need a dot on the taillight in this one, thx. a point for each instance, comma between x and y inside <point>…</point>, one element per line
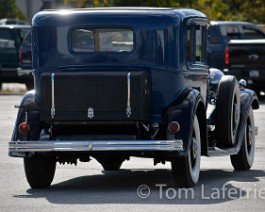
<point>20,57</point>
<point>24,128</point>
<point>173,127</point>
<point>226,56</point>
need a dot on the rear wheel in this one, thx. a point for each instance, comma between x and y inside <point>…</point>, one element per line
<point>39,171</point>
<point>186,170</point>
<point>227,111</point>
<point>245,157</point>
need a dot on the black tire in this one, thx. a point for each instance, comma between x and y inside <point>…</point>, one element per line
<point>186,170</point>
<point>39,171</point>
<point>227,111</point>
<point>245,157</point>
<point>111,164</point>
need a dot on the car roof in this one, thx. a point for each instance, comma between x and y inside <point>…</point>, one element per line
<point>180,12</point>
<point>231,23</point>
<point>238,23</point>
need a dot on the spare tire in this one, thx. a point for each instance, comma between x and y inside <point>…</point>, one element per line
<point>227,111</point>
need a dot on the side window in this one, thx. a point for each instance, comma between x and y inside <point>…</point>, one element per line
<point>190,43</point>
<point>196,43</point>
<point>27,39</point>
<point>6,40</point>
<point>200,43</point>
<point>213,35</point>
<point>20,35</point>
<point>250,33</point>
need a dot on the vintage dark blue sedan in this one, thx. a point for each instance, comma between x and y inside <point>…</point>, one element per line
<point>112,83</point>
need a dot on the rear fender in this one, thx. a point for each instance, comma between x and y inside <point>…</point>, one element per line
<point>30,105</point>
<point>248,99</point>
<point>183,112</point>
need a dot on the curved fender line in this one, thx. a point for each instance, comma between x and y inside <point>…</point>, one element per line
<point>28,101</point>
<point>183,112</point>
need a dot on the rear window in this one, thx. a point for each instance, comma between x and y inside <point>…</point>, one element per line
<point>27,40</point>
<point>20,34</point>
<point>250,33</point>
<point>101,40</point>
<point>230,31</point>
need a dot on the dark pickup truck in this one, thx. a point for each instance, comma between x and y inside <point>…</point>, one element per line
<point>247,61</point>
<point>221,32</point>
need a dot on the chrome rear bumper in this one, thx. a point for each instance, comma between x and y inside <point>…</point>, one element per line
<point>97,145</point>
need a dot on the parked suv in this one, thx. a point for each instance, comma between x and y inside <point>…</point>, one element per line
<point>11,37</point>
<point>25,62</point>
<point>221,32</point>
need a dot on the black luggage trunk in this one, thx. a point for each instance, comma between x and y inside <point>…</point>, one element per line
<point>96,96</point>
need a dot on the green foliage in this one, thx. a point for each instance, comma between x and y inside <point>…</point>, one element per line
<point>242,10</point>
<point>149,3</point>
<point>102,3</point>
<point>8,9</point>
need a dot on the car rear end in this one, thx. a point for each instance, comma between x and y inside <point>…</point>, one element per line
<point>247,61</point>
<point>96,105</point>
<point>94,85</point>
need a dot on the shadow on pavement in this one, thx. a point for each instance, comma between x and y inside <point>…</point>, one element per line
<point>151,187</point>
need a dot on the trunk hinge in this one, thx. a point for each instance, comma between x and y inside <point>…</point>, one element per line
<point>129,109</point>
<point>53,98</point>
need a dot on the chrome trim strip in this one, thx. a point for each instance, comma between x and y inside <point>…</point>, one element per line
<point>129,109</point>
<point>96,145</point>
<point>53,98</point>
<point>26,117</point>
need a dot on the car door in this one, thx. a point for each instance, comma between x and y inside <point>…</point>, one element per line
<point>197,67</point>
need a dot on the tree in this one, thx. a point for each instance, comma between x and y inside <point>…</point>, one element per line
<point>253,11</point>
<point>8,9</point>
<point>241,10</point>
<point>150,3</point>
